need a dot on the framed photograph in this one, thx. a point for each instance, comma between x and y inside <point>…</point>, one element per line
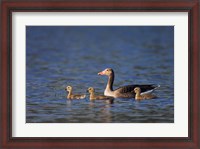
<point>100,74</point>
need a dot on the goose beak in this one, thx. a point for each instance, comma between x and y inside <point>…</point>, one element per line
<point>101,73</point>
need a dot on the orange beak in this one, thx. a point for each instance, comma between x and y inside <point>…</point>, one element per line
<point>101,73</point>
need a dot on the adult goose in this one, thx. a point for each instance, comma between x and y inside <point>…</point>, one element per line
<point>71,95</point>
<point>139,96</point>
<point>124,91</point>
<point>99,97</point>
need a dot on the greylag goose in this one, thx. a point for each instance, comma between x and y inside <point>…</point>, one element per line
<point>125,91</point>
<point>139,96</point>
<point>72,96</point>
<point>99,97</point>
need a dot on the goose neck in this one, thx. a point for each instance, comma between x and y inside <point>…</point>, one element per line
<point>110,82</point>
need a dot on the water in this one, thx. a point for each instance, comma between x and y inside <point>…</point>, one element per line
<point>62,55</point>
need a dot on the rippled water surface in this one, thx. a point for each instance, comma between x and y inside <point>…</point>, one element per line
<point>64,55</point>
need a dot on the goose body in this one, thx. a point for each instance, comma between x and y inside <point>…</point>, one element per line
<point>73,96</point>
<point>124,91</point>
<point>139,96</point>
<point>99,97</point>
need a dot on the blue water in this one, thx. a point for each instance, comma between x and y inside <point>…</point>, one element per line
<point>58,56</point>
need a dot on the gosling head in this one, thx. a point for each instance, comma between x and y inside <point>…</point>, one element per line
<point>90,90</point>
<point>68,88</point>
<point>137,90</point>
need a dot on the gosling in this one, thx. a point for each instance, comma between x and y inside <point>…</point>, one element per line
<point>138,95</point>
<point>99,97</point>
<point>71,95</point>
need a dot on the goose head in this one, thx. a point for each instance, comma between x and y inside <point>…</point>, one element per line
<point>107,72</point>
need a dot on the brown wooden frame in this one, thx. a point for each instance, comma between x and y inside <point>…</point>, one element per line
<point>9,6</point>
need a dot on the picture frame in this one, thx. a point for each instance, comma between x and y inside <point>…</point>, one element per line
<point>7,141</point>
